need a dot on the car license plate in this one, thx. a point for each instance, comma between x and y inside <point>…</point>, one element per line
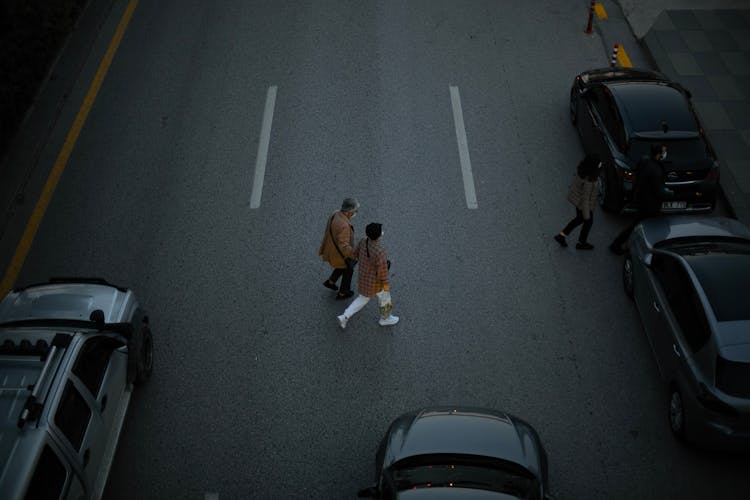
<point>674,204</point>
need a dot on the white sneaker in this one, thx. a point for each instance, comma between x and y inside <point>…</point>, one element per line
<point>390,320</point>
<point>342,321</point>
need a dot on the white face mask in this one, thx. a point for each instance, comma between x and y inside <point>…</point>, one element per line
<point>663,156</point>
<point>353,215</point>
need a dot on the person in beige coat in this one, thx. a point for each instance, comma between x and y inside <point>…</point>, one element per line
<point>337,248</point>
<point>582,194</point>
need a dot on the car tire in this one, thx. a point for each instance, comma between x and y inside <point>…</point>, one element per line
<point>627,275</point>
<point>573,107</point>
<point>143,354</point>
<point>676,413</point>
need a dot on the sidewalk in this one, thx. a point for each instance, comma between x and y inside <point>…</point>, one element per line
<point>707,50</point>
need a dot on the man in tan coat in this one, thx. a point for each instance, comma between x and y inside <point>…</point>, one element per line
<point>337,248</point>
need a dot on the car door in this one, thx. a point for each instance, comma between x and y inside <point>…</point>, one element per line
<point>588,120</point>
<point>84,410</point>
<point>653,304</point>
<point>679,328</point>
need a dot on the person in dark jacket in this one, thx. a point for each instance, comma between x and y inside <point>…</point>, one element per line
<point>582,194</point>
<point>648,193</point>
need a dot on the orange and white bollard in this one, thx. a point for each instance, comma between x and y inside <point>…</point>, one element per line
<point>613,62</point>
<point>590,26</point>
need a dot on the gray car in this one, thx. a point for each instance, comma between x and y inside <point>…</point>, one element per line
<point>70,353</point>
<point>459,452</point>
<point>690,278</point>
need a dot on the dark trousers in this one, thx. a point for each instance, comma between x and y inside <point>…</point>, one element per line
<point>577,221</point>
<point>625,233</point>
<point>346,281</point>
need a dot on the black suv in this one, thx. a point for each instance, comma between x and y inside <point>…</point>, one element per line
<point>620,113</point>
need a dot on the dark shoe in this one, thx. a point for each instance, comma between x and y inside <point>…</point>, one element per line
<point>330,284</point>
<point>616,249</point>
<point>561,240</point>
<point>344,295</point>
<point>582,245</point>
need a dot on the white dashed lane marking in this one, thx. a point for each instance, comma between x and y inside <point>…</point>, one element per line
<point>265,138</point>
<point>463,149</point>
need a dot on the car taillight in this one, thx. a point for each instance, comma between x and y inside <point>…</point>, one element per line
<point>628,175</point>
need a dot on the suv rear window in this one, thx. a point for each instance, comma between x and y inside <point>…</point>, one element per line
<point>724,277</point>
<point>733,377</point>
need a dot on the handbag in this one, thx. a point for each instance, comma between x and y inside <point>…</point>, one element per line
<point>384,303</point>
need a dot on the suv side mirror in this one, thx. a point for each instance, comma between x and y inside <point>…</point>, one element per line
<point>368,492</point>
<point>647,259</point>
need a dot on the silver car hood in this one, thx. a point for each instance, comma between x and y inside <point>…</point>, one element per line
<point>73,301</point>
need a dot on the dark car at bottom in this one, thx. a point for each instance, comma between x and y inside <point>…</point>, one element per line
<point>620,113</point>
<point>459,453</point>
<point>689,277</point>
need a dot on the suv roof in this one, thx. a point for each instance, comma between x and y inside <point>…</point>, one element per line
<point>41,329</point>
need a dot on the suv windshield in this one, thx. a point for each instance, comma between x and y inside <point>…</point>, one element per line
<point>678,150</point>
<point>486,475</point>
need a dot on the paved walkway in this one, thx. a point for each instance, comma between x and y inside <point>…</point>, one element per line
<point>708,52</point>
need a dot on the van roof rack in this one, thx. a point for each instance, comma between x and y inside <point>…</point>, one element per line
<point>32,408</point>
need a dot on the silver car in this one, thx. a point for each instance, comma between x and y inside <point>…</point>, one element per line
<point>70,352</point>
<point>690,278</point>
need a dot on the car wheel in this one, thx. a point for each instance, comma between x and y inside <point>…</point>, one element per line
<point>676,414</point>
<point>573,106</point>
<point>145,356</point>
<point>627,275</point>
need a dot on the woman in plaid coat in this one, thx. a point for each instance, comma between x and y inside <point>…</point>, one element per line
<point>373,274</point>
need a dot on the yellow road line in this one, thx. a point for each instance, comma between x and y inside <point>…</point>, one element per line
<point>622,57</point>
<point>22,250</point>
<point>600,12</point>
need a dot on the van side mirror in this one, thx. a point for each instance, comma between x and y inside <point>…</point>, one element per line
<point>647,259</point>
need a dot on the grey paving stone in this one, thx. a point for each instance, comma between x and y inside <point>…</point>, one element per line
<point>745,134</point>
<point>711,63</point>
<point>657,52</point>
<point>741,171</point>
<point>738,63</point>
<point>663,22</point>
<point>672,41</point>
<point>696,40</point>
<point>726,87</point>
<point>700,88</point>
<point>742,37</point>
<point>738,112</point>
<point>722,40</point>
<point>731,19</point>
<point>729,145</point>
<point>713,115</point>
<point>684,19</point>
<point>708,20</point>
<point>684,64</point>
<point>743,82</point>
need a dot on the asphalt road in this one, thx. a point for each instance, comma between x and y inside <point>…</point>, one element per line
<point>256,391</point>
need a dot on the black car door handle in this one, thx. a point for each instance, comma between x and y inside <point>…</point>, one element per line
<point>656,307</point>
<point>676,351</point>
